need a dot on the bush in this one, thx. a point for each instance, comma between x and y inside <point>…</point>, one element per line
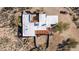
<point>61,27</point>
<point>6,9</point>
<point>75,18</point>
<point>71,43</point>
<point>12,21</point>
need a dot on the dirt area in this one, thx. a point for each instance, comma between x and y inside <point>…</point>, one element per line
<point>18,44</point>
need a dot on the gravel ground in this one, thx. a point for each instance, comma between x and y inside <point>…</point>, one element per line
<point>8,30</point>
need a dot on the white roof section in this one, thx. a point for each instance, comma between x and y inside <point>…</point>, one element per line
<point>42,19</point>
<point>25,18</point>
<point>51,20</point>
<point>28,30</point>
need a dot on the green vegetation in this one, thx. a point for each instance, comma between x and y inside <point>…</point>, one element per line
<point>19,21</point>
<point>61,27</point>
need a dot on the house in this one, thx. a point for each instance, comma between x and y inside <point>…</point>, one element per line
<point>37,24</point>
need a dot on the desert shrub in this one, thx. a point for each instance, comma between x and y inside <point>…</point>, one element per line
<point>72,43</point>
<point>4,41</point>
<point>12,21</point>
<point>6,9</point>
<point>61,27</point>
<point>7,45</point>
<point>28,8</point>
<point>24,8</point>
<point>21,8</point>
<point>75,18</point>
<point>4,17</point>
<point>67,45</point>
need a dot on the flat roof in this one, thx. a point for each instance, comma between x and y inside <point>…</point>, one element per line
<point>34,28</point>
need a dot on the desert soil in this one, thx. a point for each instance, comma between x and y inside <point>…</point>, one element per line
<point>55,39</point>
